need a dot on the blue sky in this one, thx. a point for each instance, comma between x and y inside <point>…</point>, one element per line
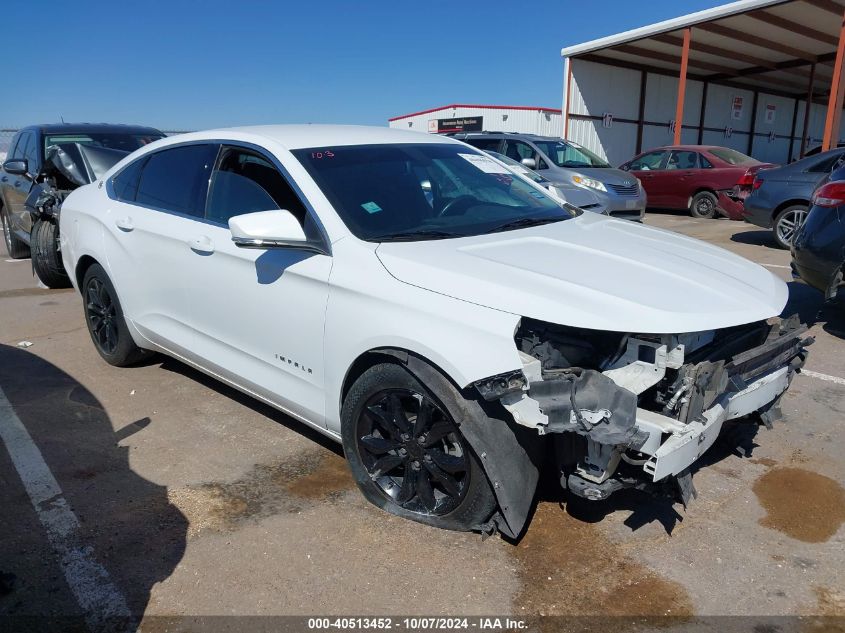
<point>194,65</point>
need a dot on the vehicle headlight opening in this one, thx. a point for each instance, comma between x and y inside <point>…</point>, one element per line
<point>588,183</point>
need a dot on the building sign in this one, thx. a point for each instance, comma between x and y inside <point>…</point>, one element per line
<point>464,124</point>
<point>432,126</point>
<point>736,108</point>
<point>771,110</point>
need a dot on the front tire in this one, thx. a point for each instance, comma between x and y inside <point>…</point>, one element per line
<point>16,248</point>
<point>703,205</point>
<point>407,454</point>
<point>787,223</point>
<point>105,320</point>
<point>46,258</point>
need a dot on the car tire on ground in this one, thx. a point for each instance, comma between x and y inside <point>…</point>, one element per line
<point>407,454</point>
<point>786,224</point>
<point>105,321</point>
<point>703,205</point>
<point>16,248</point>
<point>46,258</point>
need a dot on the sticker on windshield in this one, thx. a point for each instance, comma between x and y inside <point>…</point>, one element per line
<point>371,207</point>
<point>537,194</point>
<point>485,164</point>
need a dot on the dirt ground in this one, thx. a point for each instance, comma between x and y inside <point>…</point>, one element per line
<point>197,500</point>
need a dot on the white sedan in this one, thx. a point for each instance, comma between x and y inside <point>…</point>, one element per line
<point>443,318</point>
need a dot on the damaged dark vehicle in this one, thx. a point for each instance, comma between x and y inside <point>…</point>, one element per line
<point>44,164</point>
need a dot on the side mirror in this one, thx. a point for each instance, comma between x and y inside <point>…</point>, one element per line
<point>268,229</point>
<point>16,167</point>
<point>530,163</point>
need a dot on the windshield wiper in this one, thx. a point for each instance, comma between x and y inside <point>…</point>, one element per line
<point>410,236</point>
<point>523,223</point>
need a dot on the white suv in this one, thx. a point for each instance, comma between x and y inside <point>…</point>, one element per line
<point>439,315</point>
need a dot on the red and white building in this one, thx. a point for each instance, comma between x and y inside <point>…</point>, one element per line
<point>460,117</point>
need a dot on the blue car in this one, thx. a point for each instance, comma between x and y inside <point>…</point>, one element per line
<point>780,198</point>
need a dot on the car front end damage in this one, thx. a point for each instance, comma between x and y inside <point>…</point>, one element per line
<point>637,411</point>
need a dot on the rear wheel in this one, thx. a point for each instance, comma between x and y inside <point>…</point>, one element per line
<point>407,453</point>
<point>787,223</point>
<point>703,205</point>
<point>46,258</point>
<point>16,248</point>
<point>105,320</point>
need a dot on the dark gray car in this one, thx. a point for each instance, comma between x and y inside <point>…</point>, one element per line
<point>780,198</point>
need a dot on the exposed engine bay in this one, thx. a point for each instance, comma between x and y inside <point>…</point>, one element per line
<point>637,410</point>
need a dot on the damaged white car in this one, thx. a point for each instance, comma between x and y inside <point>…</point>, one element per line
<point>445,319</point>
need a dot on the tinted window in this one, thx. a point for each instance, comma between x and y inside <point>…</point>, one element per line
<point>705,164</point>
<point>125,183</point>
<point>682,159</point>
<point>825,164</point>
<point>732,157</point>
<point>13,146</point>
<point>425,191</point>
<point>113,140</point>
<point>245,182</point>
<point>491,144</point>
<point>30,153</point>
<point>176,179</point>
<point>647,162</point>
<point>517,150</point>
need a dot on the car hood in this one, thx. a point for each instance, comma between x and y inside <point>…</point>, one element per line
<point>594,272</point>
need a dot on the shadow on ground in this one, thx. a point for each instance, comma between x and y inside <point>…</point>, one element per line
<point>126,520</point>
<point>762,237</point>
<point>811,308</point>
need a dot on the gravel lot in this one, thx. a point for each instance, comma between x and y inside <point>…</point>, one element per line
<point>197,500</point>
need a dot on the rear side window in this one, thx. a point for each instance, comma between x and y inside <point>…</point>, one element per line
<point>682,159</point>
<point>825,164</point>
<point>125,184</point>
<point>177,179</point>
<point>491,144</point>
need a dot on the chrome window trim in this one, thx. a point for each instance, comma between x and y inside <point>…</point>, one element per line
<point>324,245</point>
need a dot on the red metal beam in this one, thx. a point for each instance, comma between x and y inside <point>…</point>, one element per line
<point>789,25</point>
<point>682,86</point>
<point>837,92</point>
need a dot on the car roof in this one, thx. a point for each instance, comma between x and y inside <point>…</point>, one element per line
<point>92,128</point>
<point>692,148</point>
<point>313,135</point>
<point>530,137</point>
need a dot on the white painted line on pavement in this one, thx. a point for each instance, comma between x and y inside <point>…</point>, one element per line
<point>775,266</point>
<point>88,580</point>
<point>815,374</point>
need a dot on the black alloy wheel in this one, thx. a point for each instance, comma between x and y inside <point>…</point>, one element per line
<point>101,312</point>
<point>412,450</point>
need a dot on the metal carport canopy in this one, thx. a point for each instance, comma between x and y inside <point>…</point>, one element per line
<point>791,48</point>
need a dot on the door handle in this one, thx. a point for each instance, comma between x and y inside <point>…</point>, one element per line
<point>5,179</point>
<point>17,183</point>
<point>125,224</point>
<point>202,245</point>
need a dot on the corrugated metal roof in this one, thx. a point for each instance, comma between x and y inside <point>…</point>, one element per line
<point>766,45</point>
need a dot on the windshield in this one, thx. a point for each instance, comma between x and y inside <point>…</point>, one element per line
<point>731,156</point>
<point>568,155</point>
<point>113,140</point>
<point>518,167</point>
<point>425,191</point>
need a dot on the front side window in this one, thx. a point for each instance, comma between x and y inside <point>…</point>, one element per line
<point>487,144</point>
<point>517,150</point>
<point>245,182</point>
<point>13,147</point>
<point>647,162</point>
<point>425,191</point>
<point>176,179</point>
<point>569,155</point>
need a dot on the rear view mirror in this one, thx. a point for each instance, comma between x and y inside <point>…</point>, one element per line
<point>530,163</point>
<point>268,229</point>
<point>16,167</point>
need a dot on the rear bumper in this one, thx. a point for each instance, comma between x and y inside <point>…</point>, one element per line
<point>730,207</point>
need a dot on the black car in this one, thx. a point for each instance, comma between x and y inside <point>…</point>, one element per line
<point>818,250</point>
<point>44,164</point>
